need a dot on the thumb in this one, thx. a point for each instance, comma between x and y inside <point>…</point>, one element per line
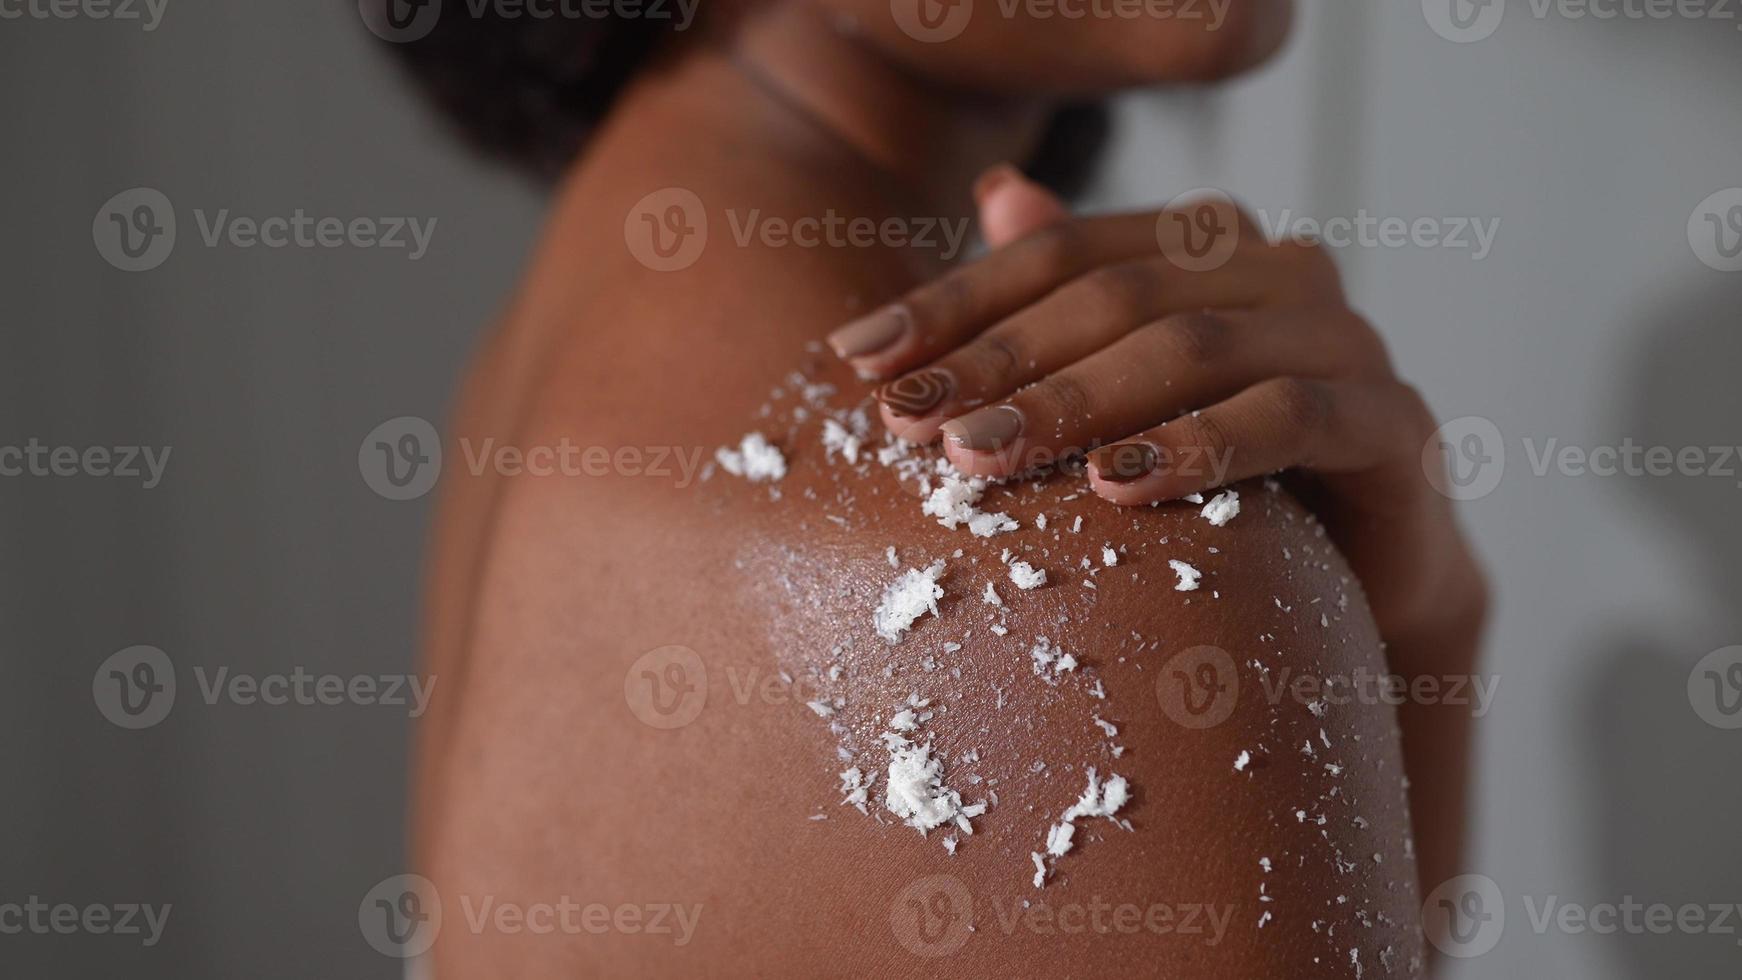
<point>1012,206</point>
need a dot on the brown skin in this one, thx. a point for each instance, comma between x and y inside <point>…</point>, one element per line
<point>537,781</point>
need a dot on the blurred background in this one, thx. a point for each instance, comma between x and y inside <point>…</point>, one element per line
<point>1603,312</point>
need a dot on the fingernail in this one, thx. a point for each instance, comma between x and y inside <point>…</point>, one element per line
<point>870,333</point>
<point>1127,462</point>
<point>989,429</point>
<point>992,179</point>
<point>916,394</point>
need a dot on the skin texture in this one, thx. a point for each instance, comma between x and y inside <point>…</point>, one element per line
<point>539,781</point>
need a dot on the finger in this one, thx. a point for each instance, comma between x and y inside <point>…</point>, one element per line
<point>1080,318</point>
<point>1352,426</point>
<point>1011,206</point>
<point>940,315</point>
<point>1168,366</point>
<point>1212,242</point>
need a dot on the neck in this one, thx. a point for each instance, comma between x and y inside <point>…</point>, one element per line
<point>932,140</point>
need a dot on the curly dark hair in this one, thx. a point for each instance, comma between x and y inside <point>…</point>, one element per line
<point>530,91</point>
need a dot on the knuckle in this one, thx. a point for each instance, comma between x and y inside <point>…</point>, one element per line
<point>1206,437</point>
<point>940,304</point>
<point>1067,395</point>
<point>991,356</point>
<point>1191,339</point>
<point>1114,291</point>
<point>1301,404</point>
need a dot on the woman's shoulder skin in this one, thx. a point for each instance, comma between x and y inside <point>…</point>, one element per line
<point>660,679</point>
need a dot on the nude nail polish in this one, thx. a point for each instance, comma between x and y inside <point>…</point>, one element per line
<point>988,430</point>
<point>870,333</point>
<point>1127,462</point>
<point>916,394</point>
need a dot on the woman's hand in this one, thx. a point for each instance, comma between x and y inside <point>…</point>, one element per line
<point>1181,356</point>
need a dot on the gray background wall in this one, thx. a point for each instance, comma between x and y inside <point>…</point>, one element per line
<point>1592,320</point>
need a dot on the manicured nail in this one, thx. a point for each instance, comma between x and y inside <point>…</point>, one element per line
<point>1126,462</point>
<point>988,430</point>
<point>870,333</point>
<point>916,394</point>
<point>992,179</point>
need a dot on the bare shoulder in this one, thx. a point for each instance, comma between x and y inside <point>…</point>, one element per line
<point>1143,727</point>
